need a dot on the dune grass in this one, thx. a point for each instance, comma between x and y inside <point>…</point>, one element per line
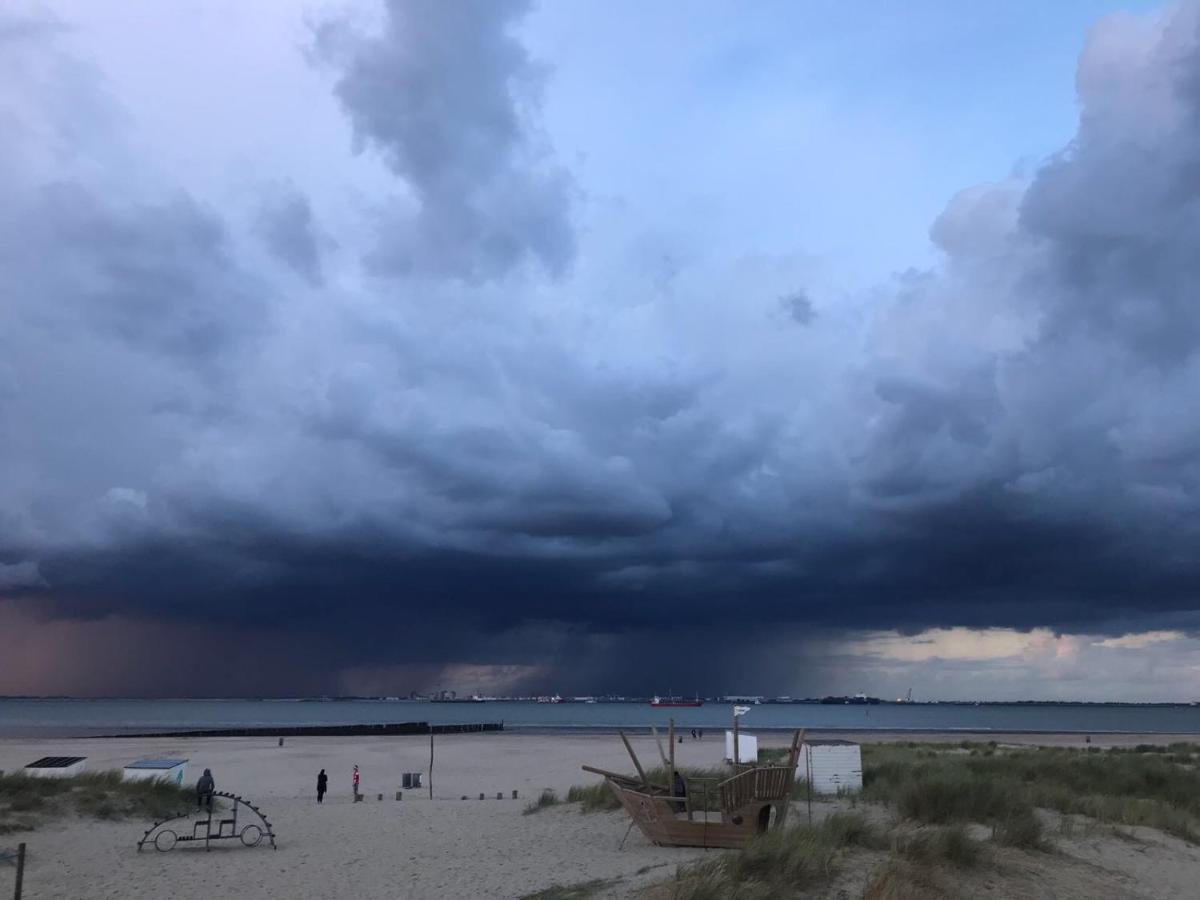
<point>941,845</point>
<point>25,801</point>
<point>593,797</point>
<point>579,891</point>
<point>904,880</point>
<point>784,863</point>
<point>545,799</point>
<point>943,788</point>
<point>1002,786</point>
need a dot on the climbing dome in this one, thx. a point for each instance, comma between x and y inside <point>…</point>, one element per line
<point>243,821</point>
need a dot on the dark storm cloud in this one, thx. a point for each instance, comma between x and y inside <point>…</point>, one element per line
<point>288,228</point>
<point>545,477</point>
<point>156,275</point>
<point>447,95</point>
<point>798,307</point>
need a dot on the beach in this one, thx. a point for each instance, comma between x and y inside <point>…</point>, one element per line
<point>445,847</point>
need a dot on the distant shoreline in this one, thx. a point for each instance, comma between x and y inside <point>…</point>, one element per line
<point>407,729</point>
<point>629,701</point>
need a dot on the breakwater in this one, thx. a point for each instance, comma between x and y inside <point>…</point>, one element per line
<point>381,729</point>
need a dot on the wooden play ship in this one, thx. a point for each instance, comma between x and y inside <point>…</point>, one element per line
<point>691,812</point>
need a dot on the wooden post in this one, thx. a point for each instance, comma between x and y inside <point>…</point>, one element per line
<point>794,752</point>
<point>430,762</point>
<point>637,765</point>
<point>793,762</point>
<point>737,758</point>
<point>808,780</point>
<point>671,740</point>
<point>20,871</point>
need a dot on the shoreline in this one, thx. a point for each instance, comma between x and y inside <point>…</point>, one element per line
<point>771,734</point>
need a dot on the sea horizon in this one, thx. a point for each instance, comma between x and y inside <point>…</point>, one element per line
<point>102,717</point>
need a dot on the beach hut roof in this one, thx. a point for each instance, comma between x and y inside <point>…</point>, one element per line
<point>156,763</point>
<point>56,762</point>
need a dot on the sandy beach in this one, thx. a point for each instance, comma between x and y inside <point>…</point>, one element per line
<point>444,847</point>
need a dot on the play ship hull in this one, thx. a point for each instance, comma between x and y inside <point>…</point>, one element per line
<point>705,812</point>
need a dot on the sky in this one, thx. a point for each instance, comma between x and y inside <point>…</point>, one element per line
<point>403,345</point>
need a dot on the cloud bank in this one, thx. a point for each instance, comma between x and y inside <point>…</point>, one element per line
<point>448,424</point>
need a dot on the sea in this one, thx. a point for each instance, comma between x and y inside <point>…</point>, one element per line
<point>83,718</point>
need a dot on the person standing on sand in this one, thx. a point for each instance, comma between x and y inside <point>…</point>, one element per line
<point>322,785</point>
<point>205,786</point>
<point>354,780</point>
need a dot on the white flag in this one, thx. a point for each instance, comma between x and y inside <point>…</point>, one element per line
<point>740,710</point>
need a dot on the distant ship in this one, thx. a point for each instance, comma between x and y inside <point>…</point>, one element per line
<point>676,701</point>
<point>856,700</point>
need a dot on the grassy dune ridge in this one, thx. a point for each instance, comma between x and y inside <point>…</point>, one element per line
<point>25,802</point>
<point>1002,786</point>
<point>920,804</point>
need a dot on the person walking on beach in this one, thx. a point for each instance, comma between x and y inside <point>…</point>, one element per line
<point>322,785</point>
<point>204,789</point>
<point>354,780</point>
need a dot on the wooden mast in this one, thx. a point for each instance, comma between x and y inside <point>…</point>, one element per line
<point>661,755</point>
<point>636,764</point>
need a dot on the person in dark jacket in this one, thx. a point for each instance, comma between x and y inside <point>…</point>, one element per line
<point>680,785</point>
<point>322,785</point>
<point>204,789</point>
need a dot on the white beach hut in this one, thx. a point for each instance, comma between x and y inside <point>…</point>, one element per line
<point>55,767</point>
<point>747,747</point>
<point>831,766</point>
<point>172,770</point>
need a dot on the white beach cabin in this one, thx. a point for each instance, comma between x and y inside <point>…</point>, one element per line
<point>747,747</point>
<point>56,767</point>
<point>172,770</point>
<point>831,766</point>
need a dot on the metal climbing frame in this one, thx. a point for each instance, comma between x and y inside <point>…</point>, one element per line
<point>227,827</point>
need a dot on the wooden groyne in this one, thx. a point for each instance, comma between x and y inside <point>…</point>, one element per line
<point>385,729</point>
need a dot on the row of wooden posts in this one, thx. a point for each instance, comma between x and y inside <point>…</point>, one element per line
<point>400,796</point>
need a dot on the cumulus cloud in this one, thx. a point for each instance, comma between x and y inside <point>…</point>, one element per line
<point>448,96</point>
<point>1138,641</point>
<point>539,469</point>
